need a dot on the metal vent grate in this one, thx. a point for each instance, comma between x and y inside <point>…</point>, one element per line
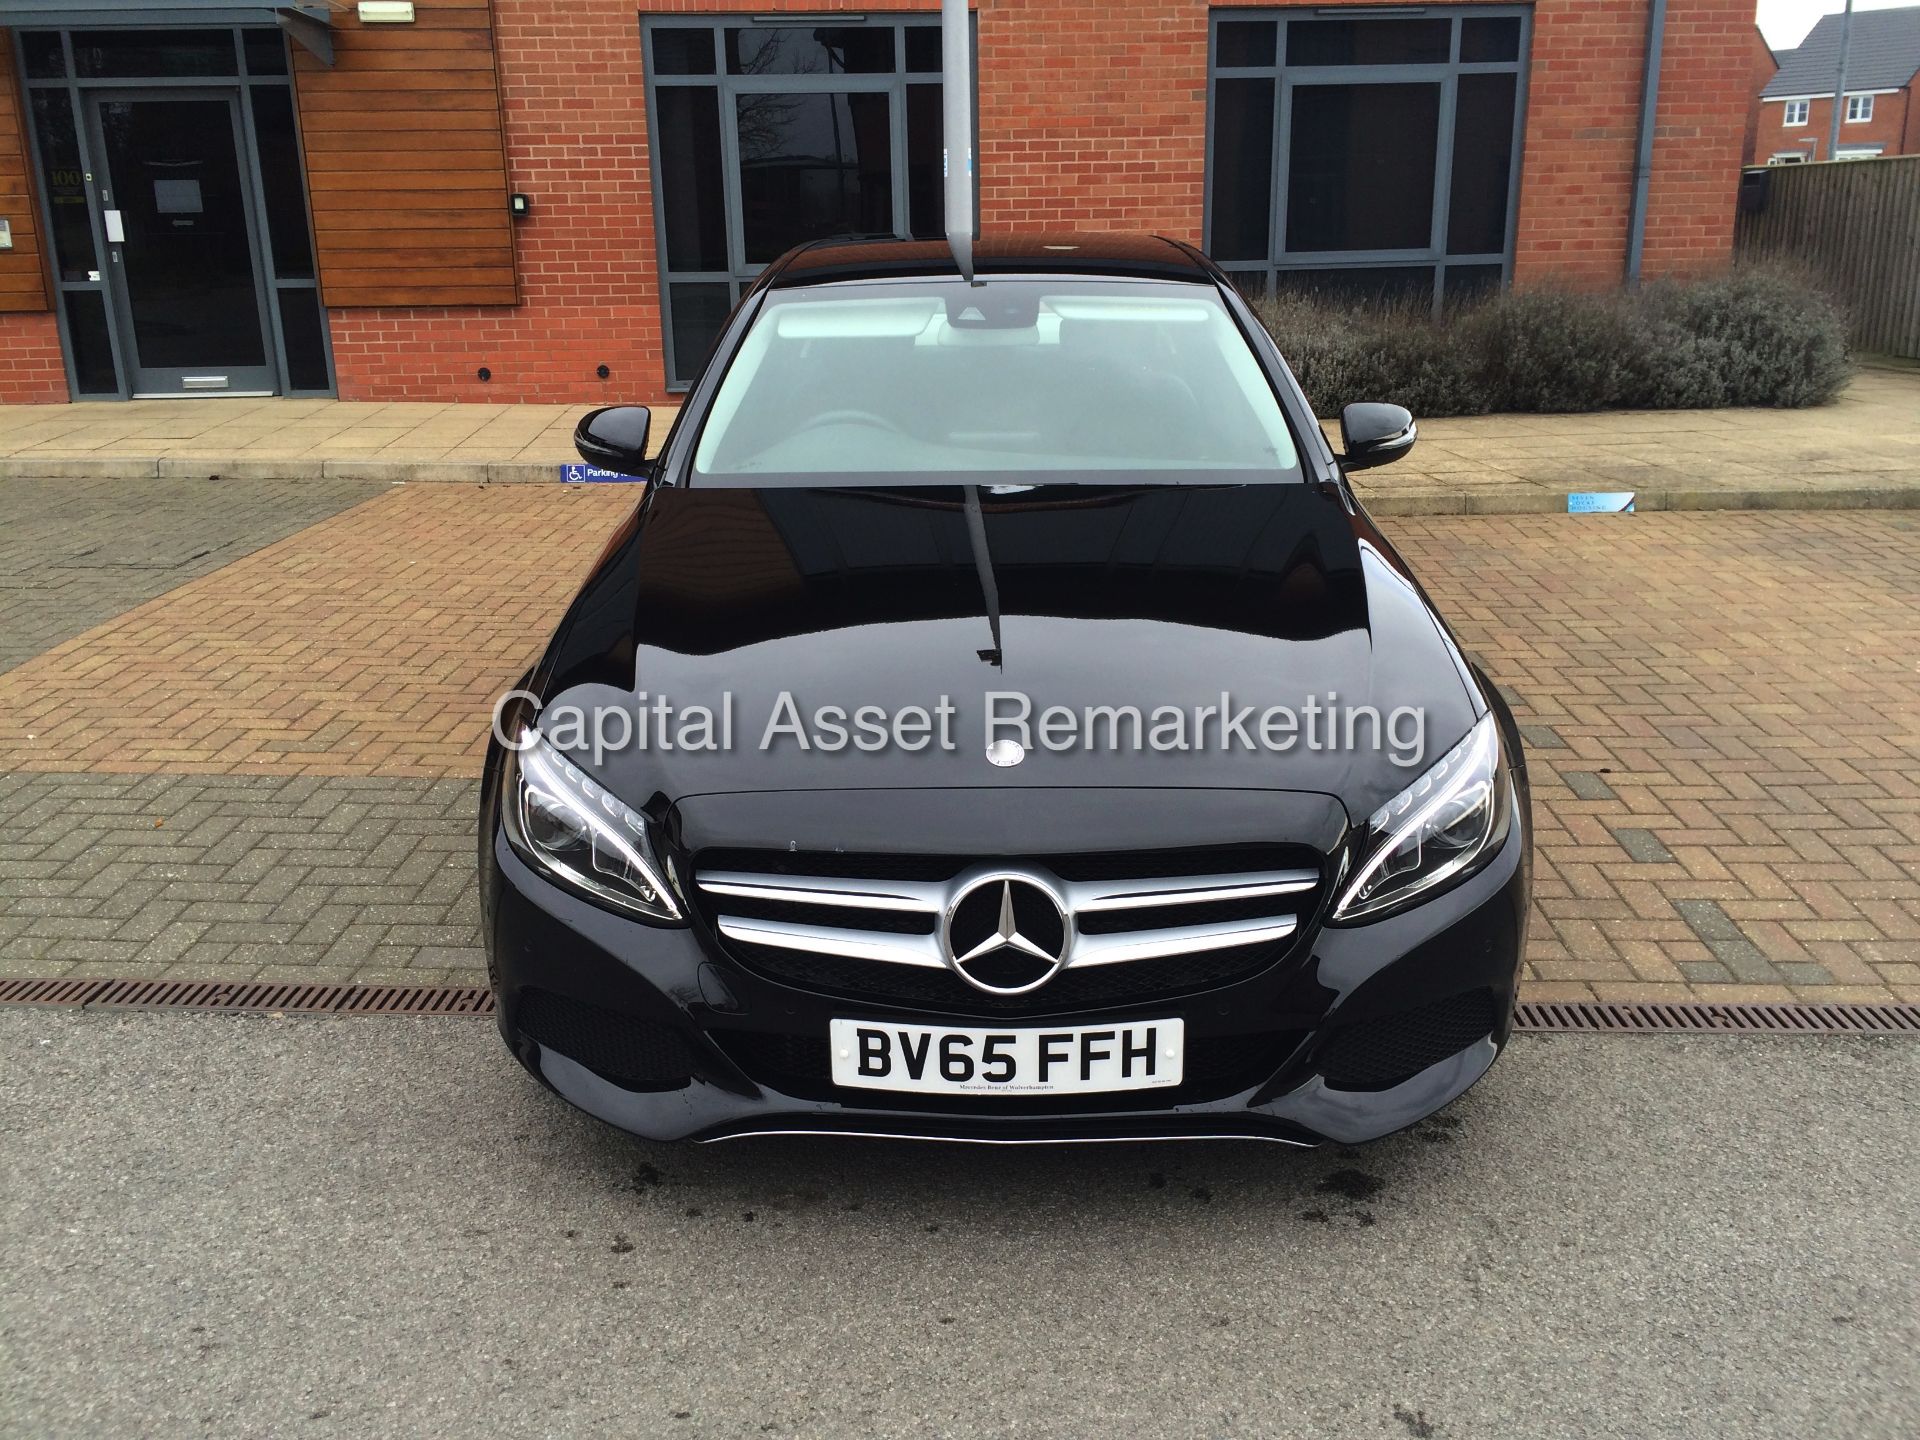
<point>1807,1019</point>
<point>287,998</point>
<point>1539,1018</point>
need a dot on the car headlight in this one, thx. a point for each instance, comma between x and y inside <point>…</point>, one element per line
<point>1438,829</point>
<point>564,824</point>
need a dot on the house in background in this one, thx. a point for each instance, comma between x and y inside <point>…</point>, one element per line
<point>1882,114</point>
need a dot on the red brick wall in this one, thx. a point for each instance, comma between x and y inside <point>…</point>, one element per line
<point>1704,89</point>
<point>1764,68</point>
<point>1583,127</point>
<point>32,372</point>
<point>1093,114</point>
<point>1583,96</point>
<point>1893,125</point>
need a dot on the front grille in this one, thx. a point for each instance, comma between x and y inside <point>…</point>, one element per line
<point>1149,925</point>
<point>1143,981</point>
<point>633,1053</point>
<point>1215,1066</point>
<point>1380,1053</point>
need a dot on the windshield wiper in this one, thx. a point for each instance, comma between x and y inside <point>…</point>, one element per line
<point>983,567</point>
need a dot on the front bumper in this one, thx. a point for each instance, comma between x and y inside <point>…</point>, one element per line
<point>657,1031</point>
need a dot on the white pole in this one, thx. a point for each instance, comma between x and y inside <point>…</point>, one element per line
<point>956,92</point>
<point>1840,83</point>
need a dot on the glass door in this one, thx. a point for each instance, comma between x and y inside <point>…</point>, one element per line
<point>182,256</point>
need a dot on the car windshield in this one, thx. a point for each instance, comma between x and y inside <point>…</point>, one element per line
<point>1063,379</point>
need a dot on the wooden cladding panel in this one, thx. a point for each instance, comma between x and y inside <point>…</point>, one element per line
<point>23,269</point>
<point>406,161</point>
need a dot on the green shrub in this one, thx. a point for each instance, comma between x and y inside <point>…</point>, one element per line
<point>1752,336</point>
<point>1769,336</point>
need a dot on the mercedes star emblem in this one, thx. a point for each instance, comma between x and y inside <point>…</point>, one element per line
<point>1006,933</point>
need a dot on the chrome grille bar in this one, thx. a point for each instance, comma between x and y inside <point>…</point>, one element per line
<point>1088,895</point>
<point>831,940</point>
<point>912,895</point>
<point>851,939</point>
<point>1114,949</point>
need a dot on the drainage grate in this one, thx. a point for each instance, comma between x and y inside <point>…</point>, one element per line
<point>284,998</point>
<point>1697,1017</point>
<point>1707,1017</point>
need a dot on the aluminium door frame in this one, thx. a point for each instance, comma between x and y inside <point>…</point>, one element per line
<point>70,90</point>
<point>74,90</point>
<point>120,308</point>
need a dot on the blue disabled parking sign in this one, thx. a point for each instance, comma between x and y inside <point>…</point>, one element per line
<point>1600,502</point>
<point>576,474</point>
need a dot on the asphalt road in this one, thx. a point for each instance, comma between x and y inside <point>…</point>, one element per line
<point>309,1227</point>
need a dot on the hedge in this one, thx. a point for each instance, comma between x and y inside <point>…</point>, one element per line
<point>1751,336</point>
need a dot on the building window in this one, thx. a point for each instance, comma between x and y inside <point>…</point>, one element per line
<point>1859,152</point>
<point>767,135</point>
<point>1365,156</point>
<point>1859,108</point>
<point>1796,112</point>
<point>1787,157</point>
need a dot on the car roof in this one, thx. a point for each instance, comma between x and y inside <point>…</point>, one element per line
<point>1071,252</point>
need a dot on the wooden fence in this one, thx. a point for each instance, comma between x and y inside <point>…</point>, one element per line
<point>1856,224</point>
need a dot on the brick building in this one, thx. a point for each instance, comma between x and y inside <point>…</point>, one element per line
<point>1794,118</point>
<point>537,200</point>
<point>1765,65</point>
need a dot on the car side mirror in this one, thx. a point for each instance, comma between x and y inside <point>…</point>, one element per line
<point>615,438</point>
<point>1374,434</point>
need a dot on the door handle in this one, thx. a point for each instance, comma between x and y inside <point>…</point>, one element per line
<point>116,231</point>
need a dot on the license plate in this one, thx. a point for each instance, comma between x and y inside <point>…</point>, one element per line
<point>1069,1060</point>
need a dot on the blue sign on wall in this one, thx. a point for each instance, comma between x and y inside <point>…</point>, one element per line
<point>1600,502</point>
<point>576,474</point>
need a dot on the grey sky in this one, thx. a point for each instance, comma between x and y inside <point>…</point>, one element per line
<point>1785,23</point>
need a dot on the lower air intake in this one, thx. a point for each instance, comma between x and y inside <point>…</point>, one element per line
<point>634,1054</point>
<point>1380,1053</point>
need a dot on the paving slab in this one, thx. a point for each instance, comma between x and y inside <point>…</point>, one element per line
<point>1862,451</point>
<point>81,550</point>
<point>250,877</point>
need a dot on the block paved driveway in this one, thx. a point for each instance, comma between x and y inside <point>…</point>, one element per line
<point>240,724</point>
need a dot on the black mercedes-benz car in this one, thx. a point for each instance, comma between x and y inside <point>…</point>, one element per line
<point>999,720</point>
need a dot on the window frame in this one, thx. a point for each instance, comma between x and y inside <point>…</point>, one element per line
<point>1447,74</point>
<point>742,273</point>
<point>1859,109</point>
<point>1796,114</point>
